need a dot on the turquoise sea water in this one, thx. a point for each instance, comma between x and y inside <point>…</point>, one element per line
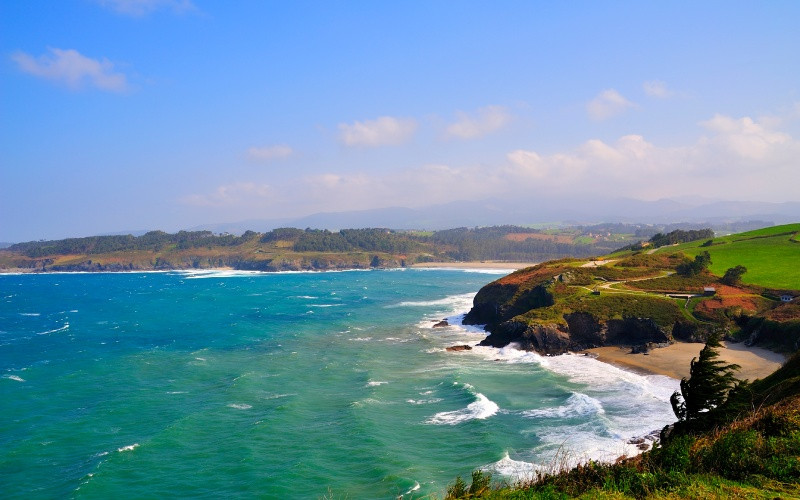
<point>306,385</point>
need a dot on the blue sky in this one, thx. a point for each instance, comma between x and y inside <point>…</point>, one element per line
<point>143,114</point>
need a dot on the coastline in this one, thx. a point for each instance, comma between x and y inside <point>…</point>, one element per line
<point>474,265</point>
<point>471,265</point>
<point>674,361</point>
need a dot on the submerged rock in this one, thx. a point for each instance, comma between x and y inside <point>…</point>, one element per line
<point>441,324</point>
<point>457,348</point>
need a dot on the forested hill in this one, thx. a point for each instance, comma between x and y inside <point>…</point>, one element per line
<point>292,248</point>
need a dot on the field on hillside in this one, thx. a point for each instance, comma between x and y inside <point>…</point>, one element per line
<point>771,255</point>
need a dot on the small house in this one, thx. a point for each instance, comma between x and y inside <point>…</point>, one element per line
<point>709,290</point>
<point>786,298</point>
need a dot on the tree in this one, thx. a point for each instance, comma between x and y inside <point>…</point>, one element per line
<point>733,276</point>
<point>695,267</point>
<point>708,385</point>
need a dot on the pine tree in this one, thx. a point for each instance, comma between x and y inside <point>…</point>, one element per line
<point>708,385</point>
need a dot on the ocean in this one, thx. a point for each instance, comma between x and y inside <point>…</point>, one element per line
<point>222,384</point>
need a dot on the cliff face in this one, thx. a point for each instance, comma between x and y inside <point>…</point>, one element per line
<point>548,309</point>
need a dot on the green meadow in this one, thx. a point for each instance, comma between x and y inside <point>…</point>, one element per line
<point>771,255</point>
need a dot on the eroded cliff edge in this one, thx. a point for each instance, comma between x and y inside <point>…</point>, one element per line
<point>559,306</point>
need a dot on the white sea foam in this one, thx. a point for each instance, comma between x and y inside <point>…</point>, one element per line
<point>30,314</point>
<point>14,377</point>
<point>423,401</point>
<point>577,405</point>
<point>361,339</point>
<point>218,273</point>
<point>517,470</point>
<point>456,303</point>
<point>305,297</point>
<point>375,383</point>
<point>128,448</point>
<point>325,305</point>
<point>481,408</point>
<point>65,327</point>
<point>413,488</point>
<point>240,406</point>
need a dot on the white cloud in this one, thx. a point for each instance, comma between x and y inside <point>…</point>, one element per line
<point>236,194</point>
<point>745,137</point>
<point>734,158</point>
<point>607,104</point>
<point>488,120</point>
<point>138,8</point>
<point>73,69</point>
<point>268,153</point>
<point>383,131</point>
<point>657,89</point>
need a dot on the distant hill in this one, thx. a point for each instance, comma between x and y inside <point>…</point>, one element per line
<point>726,216</point>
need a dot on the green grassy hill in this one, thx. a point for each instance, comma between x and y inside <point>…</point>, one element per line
<point>771,255</point>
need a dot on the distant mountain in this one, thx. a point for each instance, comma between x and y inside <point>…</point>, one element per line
<point>535,210</point>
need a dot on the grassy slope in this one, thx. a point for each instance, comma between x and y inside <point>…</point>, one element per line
<point>771,255</point>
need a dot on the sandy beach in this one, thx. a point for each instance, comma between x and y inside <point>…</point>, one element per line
<point>476,265</point>
<point>674,361</point>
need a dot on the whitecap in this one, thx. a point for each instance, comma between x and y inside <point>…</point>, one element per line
<point>516,469</point>
<point>577,405</point>
<point>413,488</point>
<point>374,383</point>
<point>423,401</point>
<point>482,408</point>
<point>65,327</point>
<point>361,339</point>
<point>14,377</point>
<point>30,314</point>
<point>240,406</point>
<point>128,448</point>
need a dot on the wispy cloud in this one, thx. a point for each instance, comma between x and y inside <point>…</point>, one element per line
<point>488,120</point>
<point>383,131</point>
<point>657,89</point>
<point>607,104</point>
<point>231,195</point>
<point>269,153</point>
<point>70,67</point>
<point>138,8</point>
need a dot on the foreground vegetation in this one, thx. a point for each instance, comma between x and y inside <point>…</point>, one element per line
<point>746,447</point>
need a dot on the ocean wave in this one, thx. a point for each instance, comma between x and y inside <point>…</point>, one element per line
<point>14,377</point>
<point>375,383</point>
<point>577,405</point>
<point>423,401</point>
<point>219,273</point>
<point>30,314</point>
<point>130,447</point>
<point>480,409</point>
<point>65,327</point>
<point>518,470</point>
<point>240,406</point>
<point>462,301</point>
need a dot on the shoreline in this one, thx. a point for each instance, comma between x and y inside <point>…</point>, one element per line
<point>474,265</point>
<point>471,265</point>
<point>674,361</point>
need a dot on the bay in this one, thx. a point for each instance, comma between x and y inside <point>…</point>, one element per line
<point>286,385</point>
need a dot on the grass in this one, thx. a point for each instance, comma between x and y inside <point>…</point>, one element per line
<point>770,255</point>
